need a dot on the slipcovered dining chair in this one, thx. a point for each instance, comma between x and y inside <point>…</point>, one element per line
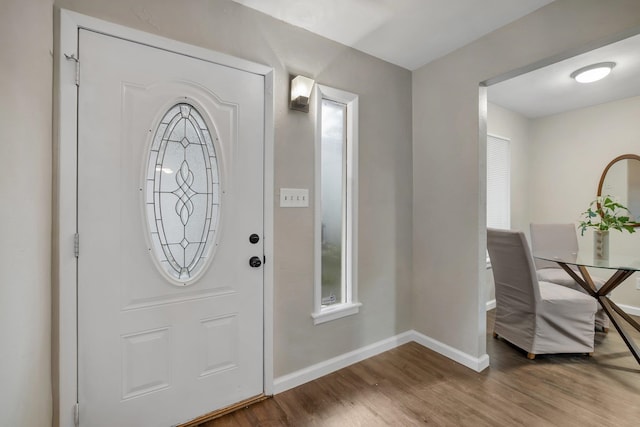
<point>536,316</point>
<point>562,238</point>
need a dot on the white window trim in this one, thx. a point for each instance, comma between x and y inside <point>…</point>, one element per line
<point>351,306</point>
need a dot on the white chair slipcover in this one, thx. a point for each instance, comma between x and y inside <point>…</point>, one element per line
<point>561,237</point>
<point>537,316</point>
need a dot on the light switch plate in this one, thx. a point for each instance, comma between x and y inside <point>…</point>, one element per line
<point>294,197</point>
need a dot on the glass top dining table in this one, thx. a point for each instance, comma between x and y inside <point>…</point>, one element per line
<point>587,259</point>
<point>624,265</point>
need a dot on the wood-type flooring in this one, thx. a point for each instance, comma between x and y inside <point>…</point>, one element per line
<point>412,385</point>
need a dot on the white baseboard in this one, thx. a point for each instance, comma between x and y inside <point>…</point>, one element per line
<point>326,367</point>
<point>478,364</point>
<point>629,309</point>
<point>321,369</point>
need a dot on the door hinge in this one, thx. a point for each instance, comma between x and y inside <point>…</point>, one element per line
<point>76,245</point>
<point>76,414</point>
<point>73,58</point>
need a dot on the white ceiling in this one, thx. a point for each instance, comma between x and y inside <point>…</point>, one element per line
<point>550,90</point>
<point>408,33</point>
<point>412,33</point>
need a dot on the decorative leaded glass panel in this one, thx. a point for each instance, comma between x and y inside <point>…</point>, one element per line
<point>182,193</point>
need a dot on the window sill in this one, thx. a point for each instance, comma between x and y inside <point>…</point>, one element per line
<point>335,312</point>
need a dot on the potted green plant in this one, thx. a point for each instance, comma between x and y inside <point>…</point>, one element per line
<point>605,214</point>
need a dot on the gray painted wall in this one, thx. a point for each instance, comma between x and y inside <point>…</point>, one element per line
<point>221,25</point>
<point>448,157</point>
<point>25,212</point>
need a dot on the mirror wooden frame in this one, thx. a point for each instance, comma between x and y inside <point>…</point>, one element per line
<point>606,169</point>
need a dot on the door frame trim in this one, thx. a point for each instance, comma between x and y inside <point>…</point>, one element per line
<point>64,262</point>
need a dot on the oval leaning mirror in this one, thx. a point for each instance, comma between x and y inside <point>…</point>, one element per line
<point>621,179</point>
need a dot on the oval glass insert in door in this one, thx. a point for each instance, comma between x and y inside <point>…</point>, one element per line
<point>182,194</point>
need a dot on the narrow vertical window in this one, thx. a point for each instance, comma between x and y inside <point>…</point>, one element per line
<point>332,198</point>
<point>498,184</point>
<point>336,186</point>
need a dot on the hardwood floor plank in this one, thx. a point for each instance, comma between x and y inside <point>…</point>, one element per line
<point>414,386</point>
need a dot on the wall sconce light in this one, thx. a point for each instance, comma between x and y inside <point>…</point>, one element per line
<point>300,92</point>
<point>593,73</point>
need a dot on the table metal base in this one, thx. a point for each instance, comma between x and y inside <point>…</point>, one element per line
<point>607,305</point>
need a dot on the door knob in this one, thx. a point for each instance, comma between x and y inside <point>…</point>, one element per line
<point>255,262</point>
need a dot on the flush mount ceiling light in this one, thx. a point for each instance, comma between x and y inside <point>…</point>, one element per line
<point>593,73</point>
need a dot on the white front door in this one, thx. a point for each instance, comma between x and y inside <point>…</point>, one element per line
<point>170,191</point>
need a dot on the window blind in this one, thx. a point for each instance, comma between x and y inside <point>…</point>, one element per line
<point>498,183</point>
